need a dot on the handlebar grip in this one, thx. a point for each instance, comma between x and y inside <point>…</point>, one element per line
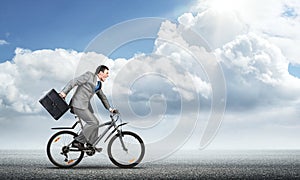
<point>115,111</point>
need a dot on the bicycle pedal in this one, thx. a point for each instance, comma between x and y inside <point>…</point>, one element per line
<point>98,149</point>
<point>91,148</point>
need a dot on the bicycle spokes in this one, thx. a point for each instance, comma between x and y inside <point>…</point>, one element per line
<point>59,151</point>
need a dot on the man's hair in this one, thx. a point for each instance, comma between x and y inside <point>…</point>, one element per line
<point>101,68</point>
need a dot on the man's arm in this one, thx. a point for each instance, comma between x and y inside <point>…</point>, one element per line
<point>104,100</point>
<point>74,82</point>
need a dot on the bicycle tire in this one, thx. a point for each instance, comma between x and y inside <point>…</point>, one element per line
<point>132,159</point>
<point>61,140</point>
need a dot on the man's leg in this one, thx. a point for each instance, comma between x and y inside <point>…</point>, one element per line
<point>90,130</point>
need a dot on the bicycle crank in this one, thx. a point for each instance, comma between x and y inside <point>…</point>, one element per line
<point>90,151</point>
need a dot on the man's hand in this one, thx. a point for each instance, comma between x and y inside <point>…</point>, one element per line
<point>62,95</point>
<point>115,111</point>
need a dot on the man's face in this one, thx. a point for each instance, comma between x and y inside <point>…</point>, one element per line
<point>103,75</point>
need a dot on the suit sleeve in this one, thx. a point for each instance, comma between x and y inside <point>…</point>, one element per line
<point>103,99</point>
<point>76,82</point>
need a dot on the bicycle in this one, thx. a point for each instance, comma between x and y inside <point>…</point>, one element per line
<point>125,149</point>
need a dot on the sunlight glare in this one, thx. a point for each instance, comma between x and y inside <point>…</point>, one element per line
<point>225,6</point>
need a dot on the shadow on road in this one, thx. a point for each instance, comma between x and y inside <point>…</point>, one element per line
<point>94,167</point>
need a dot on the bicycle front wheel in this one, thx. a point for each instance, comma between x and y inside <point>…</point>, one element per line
<point>60,152</point>
<point>126,150</point>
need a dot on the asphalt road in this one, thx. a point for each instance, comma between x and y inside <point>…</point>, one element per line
<point>182,165</point>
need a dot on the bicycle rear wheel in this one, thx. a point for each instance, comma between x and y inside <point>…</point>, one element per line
<point>132,154</point>
<point>60,152</point>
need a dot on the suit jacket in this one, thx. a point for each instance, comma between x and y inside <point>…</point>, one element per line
<point>85,91</point>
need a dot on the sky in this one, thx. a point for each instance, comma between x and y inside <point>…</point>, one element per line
<point>70,24</point>
<point>207,74</point>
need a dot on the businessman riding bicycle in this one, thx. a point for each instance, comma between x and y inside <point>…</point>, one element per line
<point>87,84</point>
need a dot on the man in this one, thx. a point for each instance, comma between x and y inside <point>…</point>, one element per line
<point>87,84</point>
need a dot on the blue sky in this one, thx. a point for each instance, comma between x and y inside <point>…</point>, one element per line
<point>294,69</point>
<point>72,24</point>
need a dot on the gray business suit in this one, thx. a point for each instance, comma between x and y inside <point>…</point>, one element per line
<point>80,103</point>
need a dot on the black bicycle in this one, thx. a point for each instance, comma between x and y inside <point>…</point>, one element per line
<point>125,149</point>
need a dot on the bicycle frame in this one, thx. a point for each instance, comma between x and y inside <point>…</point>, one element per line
<point>110,124</point>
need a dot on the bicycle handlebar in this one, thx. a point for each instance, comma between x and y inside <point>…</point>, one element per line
<point>112,114</point>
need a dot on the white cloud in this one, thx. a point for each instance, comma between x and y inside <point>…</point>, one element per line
<point>255,42</point>
<point>3,42</point>
<point>257,74</point>
<point>216,27</point>
<point>277,21</point>
<point>30,73</point>
<point>253,56</point>
<point>263,101</point>
<point>256,70</point>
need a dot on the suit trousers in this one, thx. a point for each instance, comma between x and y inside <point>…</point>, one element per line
<point>89,132</point>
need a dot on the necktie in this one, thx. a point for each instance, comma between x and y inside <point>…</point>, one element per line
<point>98,86</point>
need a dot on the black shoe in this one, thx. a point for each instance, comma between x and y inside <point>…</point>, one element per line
<point>89,145</point>
<point>77,144</point>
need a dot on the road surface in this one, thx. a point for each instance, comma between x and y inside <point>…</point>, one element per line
<point>181,165</point>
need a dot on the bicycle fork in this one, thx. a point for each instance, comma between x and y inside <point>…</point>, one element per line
<point>122,142</point>
<point>120,135</point>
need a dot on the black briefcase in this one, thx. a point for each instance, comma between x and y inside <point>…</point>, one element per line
<point>54,104</point>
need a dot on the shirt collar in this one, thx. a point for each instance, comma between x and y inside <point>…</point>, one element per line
<point>97,78</point>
